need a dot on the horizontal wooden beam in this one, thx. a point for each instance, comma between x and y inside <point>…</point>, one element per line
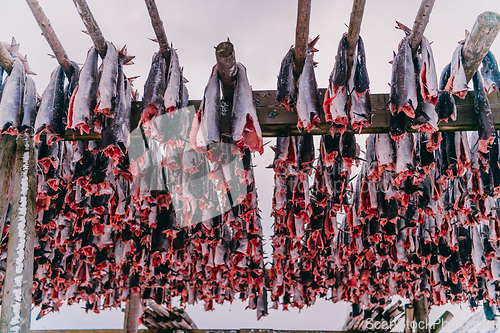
<point>276,121</point>
<point>189,331</point>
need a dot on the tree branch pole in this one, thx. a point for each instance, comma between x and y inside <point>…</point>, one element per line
<point>6,59</point>
<point>409,316</point>
<point>51,37</point>
<point>358,8</point>
<point>92,28</point>
<point>445,318</point>
<point>157,24</point>
<point>479,41</point>
<point>421,21</point>
<point>18,283</point>
<point>227,69</point>
<point>301,35</point>
<point>421,315</point>
<point>133,312</point>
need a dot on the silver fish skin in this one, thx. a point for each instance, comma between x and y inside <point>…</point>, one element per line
<point>361,79</point>
<point>106,91</point>
<point>403,83</point>
<point>174,80</point>
<point>385,149</point>
<point>359,105</point>
<point>486,128</point>
<point>426,118</point>
<point>490,72</point>
<point>477,250</point>
<point>286,89</point>
<point>405,162</point>
<point>29,106</point>
<point>307,96</point>
<point>446,107</point>
<point>13,49</point>
<point>51,111</point>
<point>428,75</point>
<point>83,101</point>
<point>457,83</point>
<point>154,88</point>
<point>206,124</point>
<point>11,108</point>
<point>246,132</point>
<point>334,104</point>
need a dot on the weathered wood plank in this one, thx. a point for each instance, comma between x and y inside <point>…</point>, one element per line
<point>18,282</point>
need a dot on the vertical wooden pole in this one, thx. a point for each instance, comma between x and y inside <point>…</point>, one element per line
<point>227,69</point>
<point>50,36</point>
<point>421,21</point>
<point>157,24</point>
<point>358,8</point>
<point>421,315</point>
<point>133,312</point>
<point>18,283</point>
<point>479,41</point>
<point>92,28</point>
<point>409,316</point>
<point>301,35</point>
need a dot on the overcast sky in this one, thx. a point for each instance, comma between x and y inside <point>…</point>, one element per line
<point>262,32</point>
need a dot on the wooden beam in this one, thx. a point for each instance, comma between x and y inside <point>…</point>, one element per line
<point>133,312</point>
<point>227,69</point>
<point>358,8</point>
<point>301,35</point>
<point>157,24</point>
<point>6,59</point>
<point>276,121</point>
<point>421,315</point>
<point>18,282</point>
<point>479,41</point>
<point>442,321</point>
<point>420,24</point>
<point>51,37</point>
<point>92,28</point>
<point>188,331</point>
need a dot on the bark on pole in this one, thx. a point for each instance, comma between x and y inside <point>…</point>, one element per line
<point>51,37</point>
<point>301,35</point>
<point>227,69</point>
<point>6,60</point>
<point>358,8</point>
<point>479,41</point>
<point>157,24</point>
<point>420,24</point>
<point>445,318</point>
<point>133,312</point>
<point>18,282</point>
<point>92,28</point>
<point>421,315</point>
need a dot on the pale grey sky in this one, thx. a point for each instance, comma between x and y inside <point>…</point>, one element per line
<point>261,31</point>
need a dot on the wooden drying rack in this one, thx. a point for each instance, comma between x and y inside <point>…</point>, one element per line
<point>274,121</point>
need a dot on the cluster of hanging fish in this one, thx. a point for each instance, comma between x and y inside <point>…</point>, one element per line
<point>421,220</point>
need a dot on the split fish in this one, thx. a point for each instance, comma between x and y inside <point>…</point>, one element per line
<point>385,149</point>
<point>52,109</point>
<point>490,72</point>
<point>30,100</point>
<point>172,97</point>
<point>445,106</point>
<point>307,96</point>
<point>11,104</point>
<point>207,121</point>
<point>335,101</point>
<point>246,130</point>
<point>427,75</point>
<point>403,96</point>
<point>426,118</point>
<point>154,89</point>
<point>486,128</point>
<point>286,89</point>
<point>106,91</point>
<point>82,104</point>
<point>457,82</point>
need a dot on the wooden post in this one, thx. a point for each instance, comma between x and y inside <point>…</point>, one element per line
<point>92,28</point>
<point>409,316</point>
<point>18,282</point>
<point>445,318</point>
<point>133,312</point>
<point>227,69</point>
<point>301,35</point>
<point>7,160</point>
<point>420,24</point>
<point>479,41</point>
<point>51,37</point>
<point>157,24</point>
<point>6,59</point>
<point>421,315</point>
<point>358,8</point>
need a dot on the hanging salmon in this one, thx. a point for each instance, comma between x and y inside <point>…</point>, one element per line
<point>360,108</point>
<point>285,94</point>
<point>11,103</point>
<point>403,96</point>
<point>490,72</point>
<point>307,96</point>
<point>457,82</point>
